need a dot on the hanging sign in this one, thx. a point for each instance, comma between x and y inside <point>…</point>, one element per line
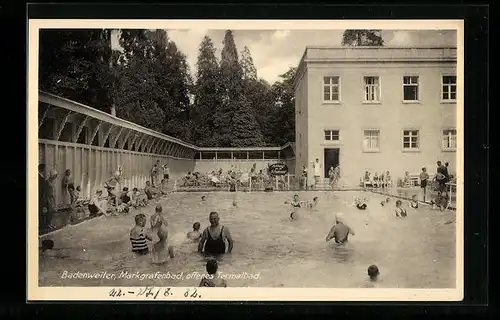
<point>278,169</point>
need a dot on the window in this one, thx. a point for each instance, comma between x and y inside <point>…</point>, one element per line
<point>449,88</point>
<point>410,139</point>
<point>450,139</point>
<point>410,88</point>
<point>371,140</point>
<point>331,89</point>
<point>332,135</point>
<point>372,89</point>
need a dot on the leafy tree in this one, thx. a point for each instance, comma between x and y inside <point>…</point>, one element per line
<point>362,37</point>
<point>75,65</point>
<point>138,95</point>
<point>281,123</point>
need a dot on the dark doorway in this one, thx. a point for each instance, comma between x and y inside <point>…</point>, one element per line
<point>331,159</point>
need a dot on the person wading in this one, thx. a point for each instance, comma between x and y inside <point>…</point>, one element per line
<point>212,239</point>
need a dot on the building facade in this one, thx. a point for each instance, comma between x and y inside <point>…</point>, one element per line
<point>376,109</point>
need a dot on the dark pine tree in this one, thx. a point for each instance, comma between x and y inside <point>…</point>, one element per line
<point>207,95</point>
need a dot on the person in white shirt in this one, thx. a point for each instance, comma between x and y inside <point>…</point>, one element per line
<point>317,171</point>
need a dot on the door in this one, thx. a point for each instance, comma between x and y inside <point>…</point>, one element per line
<point>331,159</point>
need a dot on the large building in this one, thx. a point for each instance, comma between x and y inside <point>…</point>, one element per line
<point>376,109</point>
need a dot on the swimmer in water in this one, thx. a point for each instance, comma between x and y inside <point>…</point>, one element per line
<point>340,231</point>
<point>212,239</point>
<point>211,280</point>
<point>195,235</point>
<point>293,215</point>
<point>138,235</point>
<point>361,203</point>
<point>387,200</point>
<point>414,202</point>
<point>400,212</point>
<point>313,204</point>
<point>373,272</point>
<point>203,198</point>
<point>157,220</point>
<point>161,248</point>
<point>296,203</point>
<point>47,250</point>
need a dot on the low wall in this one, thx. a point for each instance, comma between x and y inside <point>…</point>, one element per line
<point>91,166</point>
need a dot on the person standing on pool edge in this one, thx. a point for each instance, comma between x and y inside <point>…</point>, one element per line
<point>317,172</point>
<point>212,238</point>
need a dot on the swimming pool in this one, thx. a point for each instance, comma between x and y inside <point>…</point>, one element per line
<point>418,252</point>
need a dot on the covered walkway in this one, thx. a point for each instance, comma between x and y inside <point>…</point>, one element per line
<point>92,144</point>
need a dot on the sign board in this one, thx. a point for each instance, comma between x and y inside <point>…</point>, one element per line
<point>278,169</point>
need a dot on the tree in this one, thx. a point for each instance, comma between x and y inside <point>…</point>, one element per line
<point>173,76</point>
<point>137,95</point>
<point>362,37</point>
<point>246,131</point>
<point>207,94</point>
<point>75,65</point>
<point>249,70</point>
<point>231,91</point>
<point>154,83</point>
<point>280,126</point>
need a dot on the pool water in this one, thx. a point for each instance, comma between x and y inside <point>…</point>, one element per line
<point>417,252</point>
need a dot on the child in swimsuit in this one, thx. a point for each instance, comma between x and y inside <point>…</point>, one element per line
<point>157,220</point>
<point>414,202</point>
<point>161,248</point>
<point>210,280</point>
<point>138,199</point>
<point>138,236</point>
<point>195,235</point>
<point>400,212</point>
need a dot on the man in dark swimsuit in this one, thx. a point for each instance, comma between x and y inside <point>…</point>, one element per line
<point>212,238</point>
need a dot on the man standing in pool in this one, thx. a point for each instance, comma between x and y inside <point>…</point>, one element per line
<point>212,239</point>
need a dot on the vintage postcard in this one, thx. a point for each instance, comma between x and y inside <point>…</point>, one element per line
<point>245,160</point>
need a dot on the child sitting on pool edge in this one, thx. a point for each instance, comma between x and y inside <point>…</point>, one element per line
<point>195,235</point>
<point>209,280</point>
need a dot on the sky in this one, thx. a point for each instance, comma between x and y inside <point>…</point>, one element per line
<point>275,51</point>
